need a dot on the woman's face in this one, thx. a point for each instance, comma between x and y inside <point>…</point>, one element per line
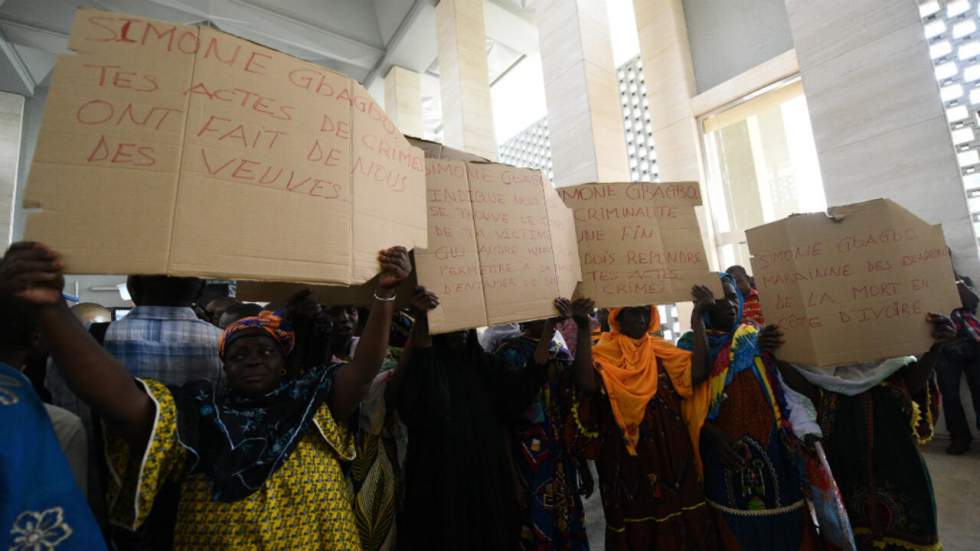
<point>254,364</point>
<point>725,310</point>
<point>344,320</point>
<point>634,321</point>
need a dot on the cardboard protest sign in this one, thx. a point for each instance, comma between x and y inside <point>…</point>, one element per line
<point>330,295</point>
<point>501,245</point>
<point>435,150</point>
<point>854,286</point>
<point>639,242</point>
<point>172,149</point>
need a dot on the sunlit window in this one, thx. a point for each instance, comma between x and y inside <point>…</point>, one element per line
<point>762,166</point>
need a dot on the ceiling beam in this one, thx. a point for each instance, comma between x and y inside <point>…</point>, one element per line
<point>511,30</point>
<point>239,17</point>
<point>33,36</point>
<point>396,40</point>
<point>245,18</point>
<point>15,66</point>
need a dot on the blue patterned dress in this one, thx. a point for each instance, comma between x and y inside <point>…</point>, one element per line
<point>41,507</point>
<point>554,519</point>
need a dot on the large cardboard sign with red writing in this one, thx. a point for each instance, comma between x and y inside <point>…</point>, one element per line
<point>501,245</point>
<point>854,286</point>
<point>639,242</point>
<point>172,149</point>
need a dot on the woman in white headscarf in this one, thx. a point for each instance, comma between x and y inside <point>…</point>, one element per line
<point>872,416</point>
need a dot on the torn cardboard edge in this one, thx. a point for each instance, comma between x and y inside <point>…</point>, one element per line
<point>330,295</point>
<point>436,150</point>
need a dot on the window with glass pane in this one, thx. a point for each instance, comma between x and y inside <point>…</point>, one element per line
<point>762,166</point>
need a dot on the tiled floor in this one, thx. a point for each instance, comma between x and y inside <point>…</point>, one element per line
<point>956,481</point>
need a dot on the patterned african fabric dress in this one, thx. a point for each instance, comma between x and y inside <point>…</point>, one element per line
<point>555,519</point>
<point>758,506</point>
<point>871,443</point>
<point>374,474</point>
<point>304,504</point>
<point>652,500</point>
<point>41,507</point>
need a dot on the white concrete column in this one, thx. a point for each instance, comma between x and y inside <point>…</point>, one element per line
<point>11,119</point>
<point>669,77</point>
<point>467,113</point>
<point>588,143</point>
<point>878,123</point>
<point>403,100</point>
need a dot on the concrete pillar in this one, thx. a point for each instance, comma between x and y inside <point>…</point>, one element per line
<point>467,113</point>
<point>669,76</point>
<point>670,82</point>
<point>878,123</point>
<point>11,117</point>
<point>588,142</point>
<point>403,100</point>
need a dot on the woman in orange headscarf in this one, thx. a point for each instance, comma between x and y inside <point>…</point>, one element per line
<point>635,397</point>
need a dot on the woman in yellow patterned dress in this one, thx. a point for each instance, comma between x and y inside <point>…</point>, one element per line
<point>256,459</point>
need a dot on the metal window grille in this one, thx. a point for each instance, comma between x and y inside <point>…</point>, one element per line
<point>950,28</point>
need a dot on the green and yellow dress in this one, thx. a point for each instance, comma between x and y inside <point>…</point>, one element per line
<point>303,503</point>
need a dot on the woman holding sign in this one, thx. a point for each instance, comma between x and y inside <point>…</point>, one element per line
<point>456,401</point>
<point>257,459</point>
<point>548,470</point>
<point>633,415</point>
<point>751,478</point>
<point>873,416</point>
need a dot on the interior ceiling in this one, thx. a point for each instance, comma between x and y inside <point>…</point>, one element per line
<point>361,38</point>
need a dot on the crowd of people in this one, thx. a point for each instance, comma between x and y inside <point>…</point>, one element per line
<point>309,426</point>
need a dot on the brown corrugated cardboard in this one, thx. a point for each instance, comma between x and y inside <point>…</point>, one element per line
<point>435,150</point>
<point>204,154</point>
<point>854,286</point>
<point>514,238</point>
<point>562,225</point>
<point>499,240</point>
<point>450,265</point>
<point>639,242</point>
<point>331,295</point>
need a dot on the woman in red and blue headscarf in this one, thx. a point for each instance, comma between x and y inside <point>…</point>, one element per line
<point>749,455</point>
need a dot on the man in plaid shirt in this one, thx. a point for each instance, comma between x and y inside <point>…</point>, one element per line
<point>161,338</point>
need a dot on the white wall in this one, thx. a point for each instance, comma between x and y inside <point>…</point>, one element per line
<point>11,115</point>
<point>729,37</point>
<point>33,109</point>
<point>878,122</point>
